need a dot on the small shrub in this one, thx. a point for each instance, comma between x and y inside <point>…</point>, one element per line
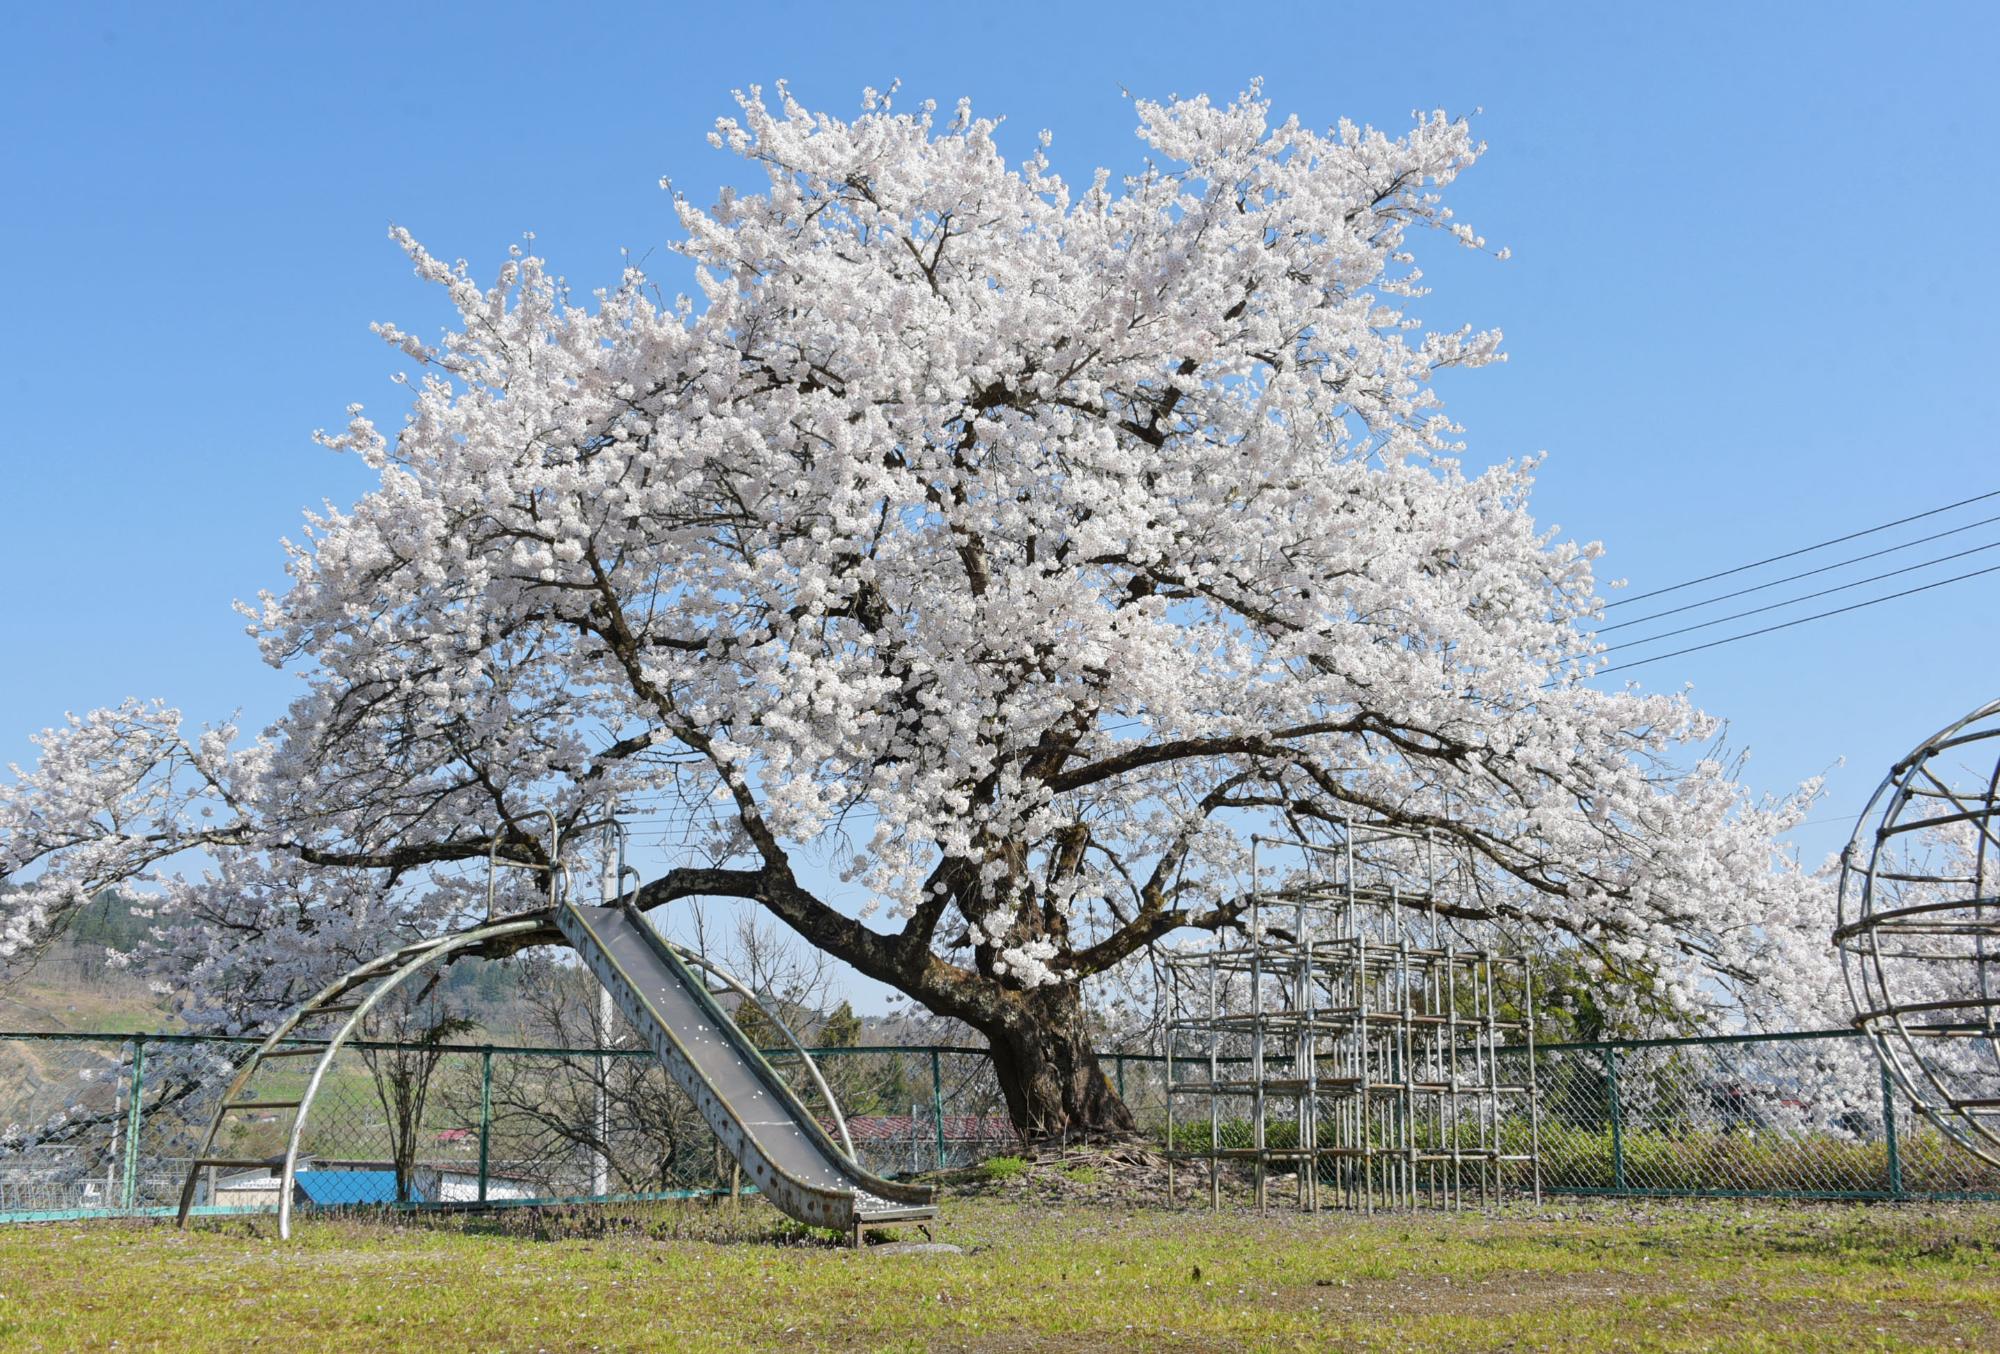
<point>1004,1168</point>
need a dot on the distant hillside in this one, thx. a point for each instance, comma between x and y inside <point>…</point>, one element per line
<point>76,985</point>
<point>42,1003</point>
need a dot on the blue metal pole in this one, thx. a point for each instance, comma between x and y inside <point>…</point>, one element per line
<point>937,1103</point>
<point>1617,1111</point>
<point>130,1191</point>
<point>485,1116</point>
<point>1889,1133</point>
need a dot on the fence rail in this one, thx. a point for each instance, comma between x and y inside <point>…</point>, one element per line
<point>103,1124</point>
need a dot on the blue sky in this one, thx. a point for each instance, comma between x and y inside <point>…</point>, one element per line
<point>1751,303</point>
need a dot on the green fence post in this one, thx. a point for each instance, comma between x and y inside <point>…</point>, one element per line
<point>1118,1062</point>
<point>129,1193</point>
<point>485,1116</point>
<point>1889,1134</point>
<point>1617,1111</point>
<point>937,1103</point>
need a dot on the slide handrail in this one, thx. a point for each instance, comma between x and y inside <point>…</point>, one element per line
<point>741,989</point>
<point>858,1181</point>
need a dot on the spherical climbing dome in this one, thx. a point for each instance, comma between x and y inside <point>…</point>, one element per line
<point>1920,927</point>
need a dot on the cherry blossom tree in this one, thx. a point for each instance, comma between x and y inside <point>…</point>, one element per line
<point>1026,545</point>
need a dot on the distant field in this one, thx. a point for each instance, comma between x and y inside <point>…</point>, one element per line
<point>1030,1278</point>
<point>41,1002</point>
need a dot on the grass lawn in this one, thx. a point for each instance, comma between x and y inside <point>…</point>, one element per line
<point>1031,1277</point>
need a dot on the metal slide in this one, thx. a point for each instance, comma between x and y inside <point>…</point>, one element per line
<point>755,1115</point>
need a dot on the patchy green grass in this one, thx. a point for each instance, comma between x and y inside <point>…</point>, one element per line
<point>1004,1168</point>
<point>1030,1278</point>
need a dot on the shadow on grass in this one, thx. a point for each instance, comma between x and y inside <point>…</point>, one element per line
<point>716,1222</point>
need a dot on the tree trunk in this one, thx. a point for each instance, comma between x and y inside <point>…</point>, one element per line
<point>1049,1072</point>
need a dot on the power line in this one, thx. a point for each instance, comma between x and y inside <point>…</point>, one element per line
<point>1803,550</point>
<point>1804,597</point>
<point>1844,824</point>
<point>1793,578</point>
<point>1786,625</point>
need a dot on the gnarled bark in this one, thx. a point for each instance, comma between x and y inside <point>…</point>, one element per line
<point>1049,1071</point>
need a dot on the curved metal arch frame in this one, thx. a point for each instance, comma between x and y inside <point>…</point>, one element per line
<point>339,987</point>
<point>424,956</point>
<point>1860,945</point>
<point>399,965</point>
<point>414,958</point>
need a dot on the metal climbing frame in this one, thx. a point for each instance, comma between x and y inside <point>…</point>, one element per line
<point>1919,932</point>
<point>1351,1039</point>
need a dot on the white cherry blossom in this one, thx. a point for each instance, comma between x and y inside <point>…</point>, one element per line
<point>1027,544</point>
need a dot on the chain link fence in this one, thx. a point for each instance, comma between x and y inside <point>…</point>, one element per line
<point>104,1124</point>
<point>1804,1116</point>
<point>1808,1115</point>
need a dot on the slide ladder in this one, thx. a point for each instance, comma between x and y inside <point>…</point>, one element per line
<point>758,1119</point>
<point>347,1003</point>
